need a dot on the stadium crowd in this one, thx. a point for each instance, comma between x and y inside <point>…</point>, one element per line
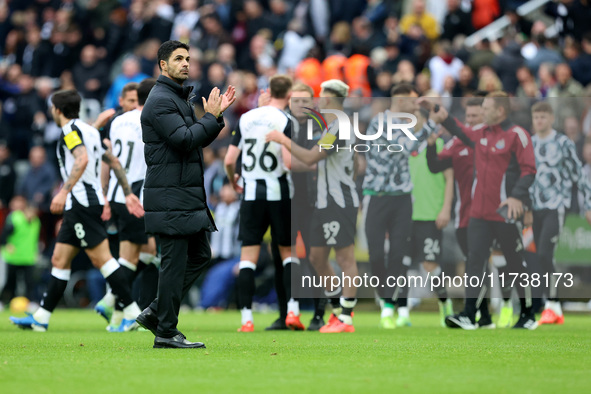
<point>100,47</point>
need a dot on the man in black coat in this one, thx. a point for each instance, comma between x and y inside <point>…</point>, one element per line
<point>174,193</point>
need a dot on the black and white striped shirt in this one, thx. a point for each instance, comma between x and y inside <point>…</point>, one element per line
<point>335,182</point>
<point>265,176</point>
<point>87,191</point>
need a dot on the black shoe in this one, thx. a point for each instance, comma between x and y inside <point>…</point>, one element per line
<point>148,320</point>
<point>278,324</point>
<point>316,323</point>
<point>527,321</point>
<point>179,341</point>
<point>461,320</point>
<point>486,322</point>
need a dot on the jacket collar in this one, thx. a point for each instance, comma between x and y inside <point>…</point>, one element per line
<point>182,91</point>
<point>503,126</point>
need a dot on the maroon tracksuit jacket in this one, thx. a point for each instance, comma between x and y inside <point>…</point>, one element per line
<point>504,161</point>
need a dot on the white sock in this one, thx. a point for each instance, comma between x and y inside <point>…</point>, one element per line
<point>61,274</point>
<point>403,311</point>
<point>293,306</point>
<point>131,311</point>
<point>109,267</point>
<point>554,306</point>
<point>246,315</point>
<point>116,318</point>
<point>347,319</point>
<point>127,264</point>
<point>42,316</point>
<point>387,311</point>
<point>109,299</point>
<point>146,258</point>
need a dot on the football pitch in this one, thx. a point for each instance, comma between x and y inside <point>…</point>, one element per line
<point>77,355</point>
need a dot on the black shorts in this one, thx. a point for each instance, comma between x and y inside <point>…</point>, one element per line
<point>333,227</point>
<point>82,227</point>
<point>425,242</point>
<point>129,227</point>
<point>256,217</point>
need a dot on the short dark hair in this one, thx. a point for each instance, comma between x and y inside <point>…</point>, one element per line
<point>129,87</point>
<point>68,102</point>
<point>280,85</point>
<point>144,89</point>
<point>474,102</point>
<point>403,89</point>
<point>167,48</point>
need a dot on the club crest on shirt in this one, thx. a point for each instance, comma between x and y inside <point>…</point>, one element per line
<point>500,144</point>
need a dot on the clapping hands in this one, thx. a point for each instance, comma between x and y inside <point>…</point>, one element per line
<point>217,103</point>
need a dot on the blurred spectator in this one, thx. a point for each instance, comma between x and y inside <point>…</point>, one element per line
<point>506,64</point>
<point>482,56</point>
<point>581,65</point>
<point>404,73</point>
<point>443,65</point>
<point>91,74</point>
<point>365,37</point>
<point>34,57</point>
<point>546,78</point>
<point>527,83</point>
<point>341,13</point>
<point>517,23</point>
<point>489,81</point>
<point>7,180</point>
<point>149,56</point>
<point>256,17</point>
<point>278,17</point>
<point>185,21</point>
<point>227,57</point>
<point>224,243</point>
<point>130,72</point>
<point>355,71</point>
<point>466,83</point>
<point>296,46</point>
<point>572,129</point>
<point>340,40</point>
<point>566,95</point>
<point>393,57</point>
<point>21,112</point>
<point>259,54</point>
<point>423,83</point>
<point>546,53</point>
<point>213,34</point>
<point>484,12</point>
<point>376,12</point>
<point>309,71</point>
<point>19,240</point>
<point>457,21</point>
<point>39,181</point>
<point>419,17</point>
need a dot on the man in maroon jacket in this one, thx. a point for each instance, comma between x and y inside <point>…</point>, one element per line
<point>505,168</point>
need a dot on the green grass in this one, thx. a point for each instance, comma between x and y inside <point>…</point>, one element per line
<point>78,356</point>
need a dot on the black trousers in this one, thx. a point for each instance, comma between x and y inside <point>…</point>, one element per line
<point>481,234</point>
<point>391,215</point>
<point>12,274</point>
<point>546,226</point>
<point>184,259</point>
